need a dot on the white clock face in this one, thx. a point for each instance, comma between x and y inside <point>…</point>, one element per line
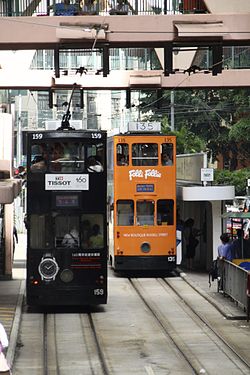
<point>48,268</point>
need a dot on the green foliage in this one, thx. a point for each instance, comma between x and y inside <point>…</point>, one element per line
<point>205,120</point>
<point>240,132</point>
<point>236,178</point>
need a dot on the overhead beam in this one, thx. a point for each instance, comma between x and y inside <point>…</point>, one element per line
<point>123,80</point>
<point>119,31</point>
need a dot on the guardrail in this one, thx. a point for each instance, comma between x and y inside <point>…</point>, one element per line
<point>16,8</point>
<point>235,282</point>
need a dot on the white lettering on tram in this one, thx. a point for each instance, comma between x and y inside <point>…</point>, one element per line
<point>145,235</point>
<point>133,173</point>
<point>58,183</point>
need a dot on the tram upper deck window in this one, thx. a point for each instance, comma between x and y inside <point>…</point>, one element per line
<point>122,154</point>
<point>95,157</point>
<point>165,212</point>
<point>125,212</point>
<point>39,157</point>
<point>167,154</point>
<point>66,157</point>
<point>144,154</point>
<point>145,212</point>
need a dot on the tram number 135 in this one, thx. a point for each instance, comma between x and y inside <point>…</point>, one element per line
<point>98,292</point>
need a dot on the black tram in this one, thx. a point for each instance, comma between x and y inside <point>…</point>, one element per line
<point>66,218</point>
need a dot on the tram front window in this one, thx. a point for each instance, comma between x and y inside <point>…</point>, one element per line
<point>39,157</point>
<point>92,233</point>
<point>144,154</point>
<point>66,230</point>
<point>125,212</point>
<point>167,154</point>
<point>40,231</point>
<point>66,157</point>
<point>145,212</point>
<point>165,212</point>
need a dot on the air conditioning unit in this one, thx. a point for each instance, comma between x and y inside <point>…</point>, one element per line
<point>55,124</point>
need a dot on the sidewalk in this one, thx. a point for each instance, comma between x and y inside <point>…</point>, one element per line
<point>227,307</point>
<point>11,294</point>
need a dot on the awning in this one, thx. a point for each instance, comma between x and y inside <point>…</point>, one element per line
<point>236,215</point>
<point>207,30</point>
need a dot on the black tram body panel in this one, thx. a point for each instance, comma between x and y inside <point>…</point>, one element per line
<point>66,218</point>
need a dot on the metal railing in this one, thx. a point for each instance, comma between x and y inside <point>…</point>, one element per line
<point>16,8</point>
<point>235,282</point>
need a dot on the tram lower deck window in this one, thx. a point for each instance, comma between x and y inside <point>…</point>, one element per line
<point>165,212</point>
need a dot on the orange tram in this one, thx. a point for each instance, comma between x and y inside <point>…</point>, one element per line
<point>142,199</point>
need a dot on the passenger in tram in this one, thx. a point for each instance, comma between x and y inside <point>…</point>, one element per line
<point>94,165</point>
<point>86,233</point>
<point>39,162</point>
<point>166,160</point>
<point>64,9</point>
<point>57,153</point>
<point>121,160</point>
<point>96,239</point>
<point>71,239</point>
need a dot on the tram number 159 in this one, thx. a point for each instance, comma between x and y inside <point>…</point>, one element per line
<point>98,292</point>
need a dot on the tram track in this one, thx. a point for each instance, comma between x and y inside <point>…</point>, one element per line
<point>171,315</point>
<point>204,320</point>
<point>70,344</point>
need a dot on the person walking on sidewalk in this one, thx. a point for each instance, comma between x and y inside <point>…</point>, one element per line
<point>4,343</point>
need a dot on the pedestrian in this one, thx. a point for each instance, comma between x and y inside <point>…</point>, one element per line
<point>4,343</point>
<point>190,236</point>
<point>121,8</point>
<point>64,8</point>
<point>225,248</point>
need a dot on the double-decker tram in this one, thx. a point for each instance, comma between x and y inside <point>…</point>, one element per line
<point>66,217</point>
<point>142,199</point>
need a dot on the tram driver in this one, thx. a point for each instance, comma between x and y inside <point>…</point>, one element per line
<point>71,239</point>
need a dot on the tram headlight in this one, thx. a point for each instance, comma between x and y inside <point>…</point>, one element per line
<point>66,275</point>
<point>145,247</point>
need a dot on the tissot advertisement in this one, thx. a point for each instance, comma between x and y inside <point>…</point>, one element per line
<point>66,182</point>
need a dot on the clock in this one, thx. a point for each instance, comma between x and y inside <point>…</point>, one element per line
<point>48,268</point>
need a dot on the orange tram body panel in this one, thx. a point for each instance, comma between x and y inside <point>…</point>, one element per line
<point>142,201</point>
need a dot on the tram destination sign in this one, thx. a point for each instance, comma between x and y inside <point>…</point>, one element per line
<point>66,182</point>
<point>144,127</point>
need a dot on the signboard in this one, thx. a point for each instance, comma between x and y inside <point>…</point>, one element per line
<point>144,127</point>
<point>66,182</point>
<point>207,174</point>
<point>144,188</point>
